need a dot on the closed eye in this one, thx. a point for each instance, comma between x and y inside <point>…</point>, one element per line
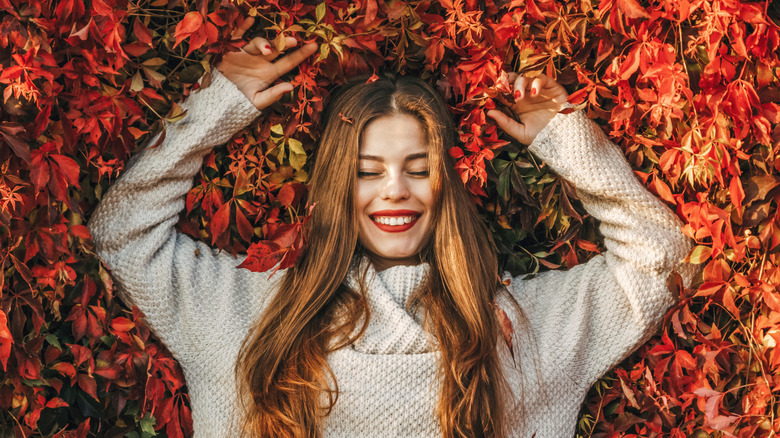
<point>420,174</point>
<point>367,174</point>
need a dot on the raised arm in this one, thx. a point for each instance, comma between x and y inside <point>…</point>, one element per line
<point>190,293</point>
<point>585,320</point>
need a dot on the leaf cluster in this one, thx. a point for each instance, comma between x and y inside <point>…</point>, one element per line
<point>688,89</point>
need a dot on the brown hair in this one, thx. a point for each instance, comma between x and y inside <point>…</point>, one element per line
<point>282,370</point>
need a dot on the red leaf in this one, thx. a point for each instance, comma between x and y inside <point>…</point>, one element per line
<point>40,174</point>
<point>262,256</point>
<point>220,222</point>
<point>70,169</point>
<point>631,9</point>
<point>186,27</point>
<point>286,194</point>
<point>456,152</point>
<point>245,229</point>
<point>109,373</point>
<point>20,148</point>
<point>65,369</point>
<point>82,354</point>
<point>88,385</point>
<point>73,9</point>
<point>6,340</point>
<point>56,402</point>
<point>285,235</point>
<point>142,32</point>
<point>122,324</point>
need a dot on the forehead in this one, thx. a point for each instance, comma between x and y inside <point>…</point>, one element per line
<point>397,135</point>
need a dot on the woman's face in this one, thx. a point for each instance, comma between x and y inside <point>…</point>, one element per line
<point>394,196</point>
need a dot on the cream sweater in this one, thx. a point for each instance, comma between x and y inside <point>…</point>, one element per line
<point>580,323</point>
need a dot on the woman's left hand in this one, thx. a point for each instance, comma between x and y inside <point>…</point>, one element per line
<point>537,101</point>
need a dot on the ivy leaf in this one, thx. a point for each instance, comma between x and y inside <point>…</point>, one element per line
<point>6,340</point>
<point>262,256</point>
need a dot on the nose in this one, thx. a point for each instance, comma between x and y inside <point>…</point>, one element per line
<point>396,187</point>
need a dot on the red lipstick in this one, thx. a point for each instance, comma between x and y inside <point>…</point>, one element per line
<point>395,213</point>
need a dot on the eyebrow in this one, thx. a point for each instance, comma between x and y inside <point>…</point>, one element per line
<point>411,157</point>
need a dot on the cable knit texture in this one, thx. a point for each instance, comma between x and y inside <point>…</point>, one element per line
<point>577,324</point>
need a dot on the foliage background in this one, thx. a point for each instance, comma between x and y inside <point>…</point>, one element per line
<point>688,89</point>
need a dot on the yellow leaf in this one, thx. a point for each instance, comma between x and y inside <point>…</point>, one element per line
<point>699,255</point>
<point>296,146</point>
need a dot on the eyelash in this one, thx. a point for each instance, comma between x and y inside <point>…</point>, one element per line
<point>367,174</point>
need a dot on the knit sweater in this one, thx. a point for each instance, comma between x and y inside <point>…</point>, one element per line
<point>577,324</point>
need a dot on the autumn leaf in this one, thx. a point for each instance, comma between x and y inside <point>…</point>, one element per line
<point>190,24</point>
<point>688,91</point>
<point>6,340</point>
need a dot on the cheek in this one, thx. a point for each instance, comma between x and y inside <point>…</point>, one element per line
<point>363,196</point>
<point>424,194</point>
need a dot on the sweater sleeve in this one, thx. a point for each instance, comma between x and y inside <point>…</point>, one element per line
<point>189,292</point>
<point>587,319</point>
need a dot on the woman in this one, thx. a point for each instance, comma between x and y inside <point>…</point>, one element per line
<point>387,326</point>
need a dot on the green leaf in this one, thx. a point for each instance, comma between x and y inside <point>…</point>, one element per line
<point>52,339</point>
<point>147,426</point>
<point>504,183</point>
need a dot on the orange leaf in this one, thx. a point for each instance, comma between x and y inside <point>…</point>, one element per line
<point>631,9</point>
<point>56,402</point>
<point>663,190</point>
<point>186,27</point>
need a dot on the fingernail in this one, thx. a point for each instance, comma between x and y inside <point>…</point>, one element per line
<point>533,91</point>
<point>267,47</point>
<point>517,94</point>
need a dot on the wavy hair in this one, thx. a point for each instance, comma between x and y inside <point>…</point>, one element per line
<point>282,370</point>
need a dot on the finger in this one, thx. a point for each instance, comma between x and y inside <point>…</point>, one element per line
<point>537,84</point>
<point>509,125</point>
<point>551,89</point>
<point>259,46</point>
<point>268,96</point>
<point>520,84</point>
<point>289,62</point>
<point>238,33</point>
<point>282,43</point>
<point>290,42</point>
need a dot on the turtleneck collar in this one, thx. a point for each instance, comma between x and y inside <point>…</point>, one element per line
<point>391,329</point>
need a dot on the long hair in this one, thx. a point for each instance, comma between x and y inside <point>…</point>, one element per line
<point>282,371</point>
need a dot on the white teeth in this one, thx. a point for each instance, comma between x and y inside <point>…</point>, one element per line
<point>394,220</point>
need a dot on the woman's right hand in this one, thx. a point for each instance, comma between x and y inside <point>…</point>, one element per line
<point>253,70</point>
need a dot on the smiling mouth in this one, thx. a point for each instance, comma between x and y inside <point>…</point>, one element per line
<point>395,221</point>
